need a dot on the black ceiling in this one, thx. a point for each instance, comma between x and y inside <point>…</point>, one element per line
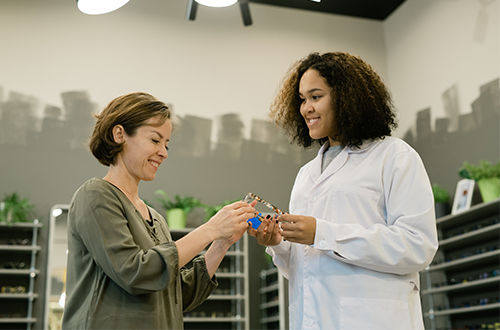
<point>373,9</point>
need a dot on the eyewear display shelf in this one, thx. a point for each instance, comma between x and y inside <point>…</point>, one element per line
<point>228,306</point>
<point>461,287</point>
<point>18,251</point>
<point>273,292</point>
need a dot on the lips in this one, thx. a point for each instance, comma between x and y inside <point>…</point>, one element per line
<point>154,163</point>
<point>311,121</point>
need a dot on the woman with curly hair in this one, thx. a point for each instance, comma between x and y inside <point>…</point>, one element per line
<point>361,223</point>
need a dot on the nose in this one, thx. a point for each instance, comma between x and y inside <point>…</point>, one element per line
<point>306,107</point>
<point>162,152</point>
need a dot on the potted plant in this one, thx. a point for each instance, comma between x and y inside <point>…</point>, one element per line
<point>441,200</point>
<point>210,211</point>
<point>14,209</point>
<point>486,175</point>
<point>177,209</point>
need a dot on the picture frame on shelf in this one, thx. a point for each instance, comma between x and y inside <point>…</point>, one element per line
<point>463,196</point>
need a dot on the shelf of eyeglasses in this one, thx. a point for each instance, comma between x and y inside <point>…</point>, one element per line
<point>475,235</point>
<point>482,326</point>
<point>20,248</point>
<point>17,319</point>
<point>462,285</point>
<point>229,275</point>
<point>31,272</point>
<point>270,304</point>
<point>468,260</point>
<point>27,225</point>
<point>479,211</point>
<point>270,319</point>
<point>214,317</point>
<point>19,295</point>
<point>461,310</point>
<point>226,297</point>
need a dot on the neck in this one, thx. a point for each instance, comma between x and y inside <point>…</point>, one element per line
<point>128,185</point>
<point>332,142</point>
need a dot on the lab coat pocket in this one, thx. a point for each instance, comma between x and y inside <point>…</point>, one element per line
<point>354,202</point>
<point>373,314</point>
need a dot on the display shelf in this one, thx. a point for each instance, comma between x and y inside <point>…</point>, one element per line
<point>273,293</point>
<point>462,284</point>
<point>29,320</point>
<point>18,243</point>
<point>468,261</point>
<point>13,248</point>
<point>228,306</point>
<point>19,271</point>
<point>18,295</point>
<point>463,310</point>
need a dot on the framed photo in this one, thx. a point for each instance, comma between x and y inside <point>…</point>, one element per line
<point>463,196</point>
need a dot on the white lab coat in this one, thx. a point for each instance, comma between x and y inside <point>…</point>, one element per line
<point>375,230</point>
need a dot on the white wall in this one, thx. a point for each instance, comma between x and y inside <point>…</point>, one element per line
<point>207,67</point>
<point>435,44</point>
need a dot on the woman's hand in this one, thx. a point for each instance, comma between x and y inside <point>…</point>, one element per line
<point>230,222</point>
<point>268,233</point>
<point>298,228</point>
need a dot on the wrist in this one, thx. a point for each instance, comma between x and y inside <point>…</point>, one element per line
<point>208,231</point>
<point>221,245</point>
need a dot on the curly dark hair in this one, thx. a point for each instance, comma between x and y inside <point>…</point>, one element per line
<point>362,104</point>
<point>131,111</point>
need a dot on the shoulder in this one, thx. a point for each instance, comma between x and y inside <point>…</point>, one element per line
<point>393,145</point>
<point>96,190</point>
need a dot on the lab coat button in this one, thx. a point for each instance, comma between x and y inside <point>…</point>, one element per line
<point>309,323</point>
<point>310,279</point>
<point>322,244</point>
<point>314,199</point>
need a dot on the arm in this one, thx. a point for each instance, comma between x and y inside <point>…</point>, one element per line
<point>406,242</point>
<point>224,228</point>
<point>99,222</point>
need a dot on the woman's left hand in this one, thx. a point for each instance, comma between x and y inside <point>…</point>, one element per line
<point>298,228</point>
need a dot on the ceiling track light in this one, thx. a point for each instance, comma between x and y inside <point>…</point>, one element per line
<point>192,8</point>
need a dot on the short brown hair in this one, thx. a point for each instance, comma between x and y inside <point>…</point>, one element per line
<point>361,103</point>
<point>131,111</point>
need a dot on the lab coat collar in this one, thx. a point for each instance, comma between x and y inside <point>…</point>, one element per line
<point>336,163</point>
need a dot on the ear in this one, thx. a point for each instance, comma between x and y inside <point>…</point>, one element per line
<point>119,134</point>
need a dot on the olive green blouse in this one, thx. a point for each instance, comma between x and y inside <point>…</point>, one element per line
<point>123,273</point>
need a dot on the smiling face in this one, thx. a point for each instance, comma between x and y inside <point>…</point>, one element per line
<point>316,106</point>
<point>144,152</point>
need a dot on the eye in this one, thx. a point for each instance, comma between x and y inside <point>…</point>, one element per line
<point>155,141</point>
<point>315,97</point>
<point>166,147</point>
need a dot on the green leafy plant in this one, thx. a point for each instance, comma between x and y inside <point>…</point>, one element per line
<point>186,203</point>
<point>485,170</point>
<point>210,211</point>
<point>441,195</point>
<point>15,209</point>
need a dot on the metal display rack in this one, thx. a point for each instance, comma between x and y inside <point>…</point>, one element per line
<point>462,284</point>
<point>228,306</point>
<point>18,271</point>
<point>274,297</point>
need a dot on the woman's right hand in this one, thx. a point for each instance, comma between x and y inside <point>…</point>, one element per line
<point>231,219</point>
<point>268,233</point>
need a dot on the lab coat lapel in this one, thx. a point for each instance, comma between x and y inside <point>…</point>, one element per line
<point>337,163</point>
